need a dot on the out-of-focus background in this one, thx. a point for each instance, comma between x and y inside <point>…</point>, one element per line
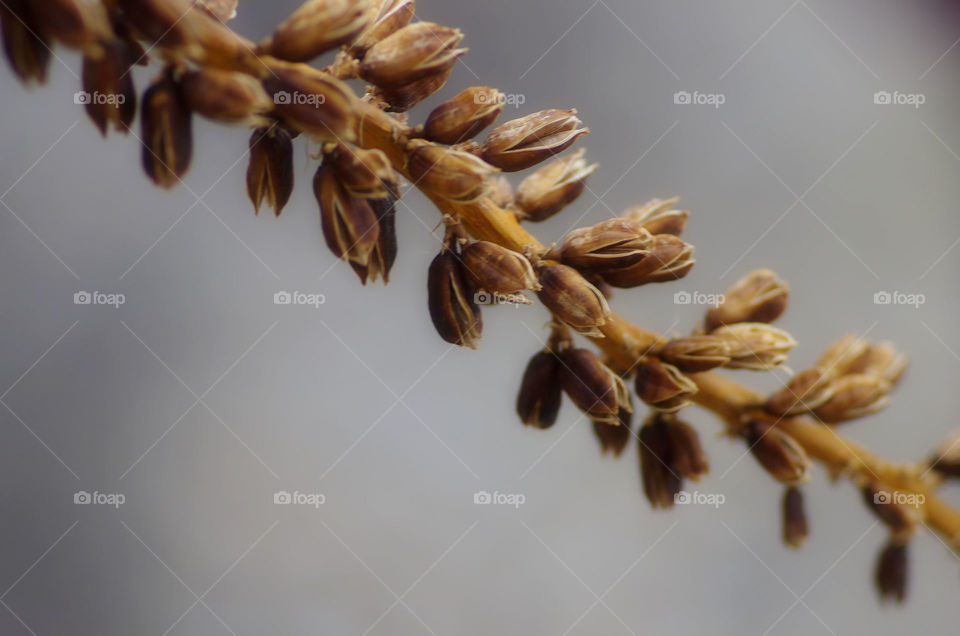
<point>198,398</point>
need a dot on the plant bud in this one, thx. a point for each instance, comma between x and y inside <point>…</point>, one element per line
<point>462,117</point>
<point>392,16</point>
<point>661,482</point>
<point>843,353</point>
<point>414,52</point>
<point>659,217</point>
<point>109,84</point>
<point>778,453</point>
<point>525,142</point>
<point>663,386</point>
<point>795,529</point>
<point>572,299</point>
<point>316,27</point>
<point>890,575</point>
<point>167,133</point>
<point>695,354</point>
<point>757,297</point>
<point>349,223</point>
<point>365,173</point>
<point>538,402</point>
<point>501,192</point>
<point>592,386</point>
<point>685,450</point>
<point>804,392</point>
<point>270,171</point>
<point>497,269</point>
<point>79,24</point>
<point>386,251</point>
<point>670,258</point>
<point>852,354</point>
<point>854,396</point>
<point>755,345</point>
<point>611,244</point>
<point>224,96</point>
<point>554,186</point>
<point>399,99</point>
<point>946,458</point>
<point>27,50</point>
<point>900,518</point>
<point>614,438</point>
<point>454,311</point>
<point>313,102</point>
<point>451,174</point>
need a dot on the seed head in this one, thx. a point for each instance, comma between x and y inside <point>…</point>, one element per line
<point>166,133</point>
<point>497,269</point>
<point>891,572</point>
<point>804,392</point>
<point>554,186</point>
<point>460,118</point>
<point>572,299</point>
<point>670,258</point>
<point>316,103</point>
<point>592,386</point>
<point>755,345</point>
<point>854,396</point>
<point>349,223</point>
<point>695,354</point>
<point>451,174</point>
<point>778,453</point>
<point>109,76</point>
<point>391,16</point>
<point>525,142</point>
<point>685,450</point>
<point>659,217</point>
<point>609,245</point>
<point>412,53</point>
<point>270,171</point>
<point>224,96</point>
<point>661,482</point>
<point>316,27</point>
<point>26,48</point>
<point>663,386</point>
<point>759,296</point>
<point>538,402</point>
<point>795,528</point>
<point>453,309</point>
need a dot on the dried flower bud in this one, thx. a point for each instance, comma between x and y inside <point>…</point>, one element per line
<point>364,173</point>
<point>795,528</point>
<point>27,49</point>
<point>901,518</point>
<point>110,97</point>
<point>854,396</point>
<point>453,309</point>
<point>554,186</point>
<point>614,438</point>
<point>592,386</point>
<point>686,452</point>
<point>525,142</point>
<point>349,223</point>
<point>384,251</point>
<point>460,118</point>
<point>572,299</point>
<point>695,354</point>
<point>661,482</point>
<point>946,458</point>
<point>270,172</point>
<point>755,345</point>
<point>663,386</point>
<point>804,392</point>
<point>316,27</point>
<point>313,102</point>
<point>223,95</point>
<point>890,575</point>
<point>497,269</point>
<point>414,52</point>
<point>611,244</point>
<point>451,174</point>
<point>167,133</point>
<point>79,24</point>
<point>659,217</point>
<point>759,296</point>
<point>852,354</point>
<point>778,453</point>
<point>842,353</point>
<point>399,99</point>
<point>392,16</point>
<point>501,192</point>
<point>670,258</point>
<point>538,402</point>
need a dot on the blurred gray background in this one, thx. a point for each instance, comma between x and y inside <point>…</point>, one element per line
<point>198,398</point>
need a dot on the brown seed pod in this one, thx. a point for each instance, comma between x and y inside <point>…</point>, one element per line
<point>572,299</point>
<point>694,354</point>
<point>854,395</point>
<point>663,386</point>
<point>364,173</point>
<point>893,508</point>
<point>538,401</point>
<point>26,48</point>
<point>525,142</point>
<point>686,453</point>
<point>497,269</point>
<point>760,296</point>
<point>412,53</point>
<point>592,386</point>
<point>661,482</point>
<point>554,186</point>
<point>804,392</point>
<point>224,96</point>
<point>460,118</point>
<point>391,16</point>
<point>852,354</point>
<point>756,346</point>
<point>891,572</point>
<point>316,27</point>
<point>778,453</point>
<point>108,93</point>
<point>349,224</point>
<point>455,175</point>
<point>795,528</point>
<point>270,171</point>
<point>659,217</point>
<point>79,24</point>
<point>614,438</point>
<point>609,245</point>
<point>166,132</point>
<point>670,258</point>
<point>313,102</point>
<point>453,308</point>
<point>399,99</point>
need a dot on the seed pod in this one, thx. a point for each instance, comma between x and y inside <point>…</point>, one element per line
<point>778,453</point>
<point>270,172</point>
<point>572,299</point>
<point>885,504</point>
<point>385,253</point>
<point>592,386</point>
<point>852,354</point>
<point>27,49</point>
<point>946,458</point>
<point>854,396</point>
<point>663,386</point>
<point>501,192</point>
<point>695,354</point>
<point>611,244</point>
<point>804,392</point>
<point>670,258</point>
<point>316,27</point>
<point>224,96</point>
<point>497,269</point>
<point>890,574</point>
<point>661,482</point>
<point>659,217</point>
<point>451,174</point>
<point>108,88</point>
<point>414,52</point>
<point>462,117</point>
<point>538,402</point>
<point>392,16</point>
<point>685,450</point>
<point>755,346</point>
<point>760,296</point>
<point>525,142</point>
<point>167,133</point>
<point>554,186</point>
<point>349,224</point>
<point>453,309</point>
<point>364,173</point>
<point>399,99</point>
<point>614,438</point>
<point>313,102</point>
<point>795,528</point>
<point>79,24</point>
